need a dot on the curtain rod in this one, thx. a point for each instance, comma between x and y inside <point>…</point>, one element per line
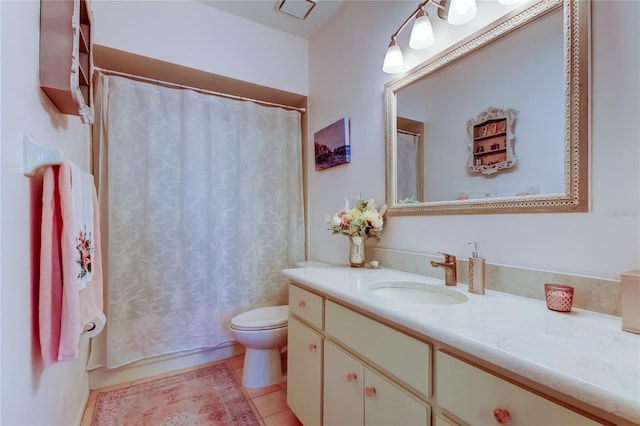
<point>197,89</point>
<point>406,132</point>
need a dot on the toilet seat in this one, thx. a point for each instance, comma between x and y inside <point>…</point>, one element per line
<point>268,318</point>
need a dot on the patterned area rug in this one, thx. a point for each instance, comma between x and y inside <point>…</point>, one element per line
<point>207,396</point>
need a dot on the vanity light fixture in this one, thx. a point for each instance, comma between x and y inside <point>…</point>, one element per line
<point>422,32</point>
<point>456,12</point>
<point>461,11</point>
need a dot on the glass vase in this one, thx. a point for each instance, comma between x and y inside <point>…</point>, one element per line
<point>356,251</point>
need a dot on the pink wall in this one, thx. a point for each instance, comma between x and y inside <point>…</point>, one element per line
<point>345,79</point>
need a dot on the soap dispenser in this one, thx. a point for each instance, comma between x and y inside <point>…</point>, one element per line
<point>476,270</point>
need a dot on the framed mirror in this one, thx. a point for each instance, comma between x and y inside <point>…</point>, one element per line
<point>534,62</point>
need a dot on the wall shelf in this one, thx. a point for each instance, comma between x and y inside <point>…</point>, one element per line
<point>66,63</point>
<point>492,139</point>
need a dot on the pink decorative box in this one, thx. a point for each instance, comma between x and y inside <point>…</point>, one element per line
<point>630,295</point>
<point>559,297</point>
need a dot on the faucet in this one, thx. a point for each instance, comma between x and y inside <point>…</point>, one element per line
<point>450,271</point>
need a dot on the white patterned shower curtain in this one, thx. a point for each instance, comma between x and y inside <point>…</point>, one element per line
<point>407,175</point>
<point>202,201</point>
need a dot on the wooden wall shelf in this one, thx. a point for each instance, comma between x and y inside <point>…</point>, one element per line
<point>66,62</point>
<point>492,139</point>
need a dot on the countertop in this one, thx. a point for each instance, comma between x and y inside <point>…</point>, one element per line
<point>583,354</point>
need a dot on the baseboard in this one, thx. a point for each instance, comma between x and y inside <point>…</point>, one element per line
<point>83,407</point>
<point>103,377</point>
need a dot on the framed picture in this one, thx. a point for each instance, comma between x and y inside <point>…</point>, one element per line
<point>331,145</point>
<point>482,131</point>
<point>492,127</point>
<point>502,126</point>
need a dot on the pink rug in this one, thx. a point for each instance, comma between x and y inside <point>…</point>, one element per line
<point>207,396</point>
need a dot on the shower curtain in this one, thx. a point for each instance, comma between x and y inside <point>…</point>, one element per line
<point>202,201</point>
<point>407,177</point>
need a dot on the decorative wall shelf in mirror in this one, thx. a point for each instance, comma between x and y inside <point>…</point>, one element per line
<point>492,137</point>
<point>535,60</point>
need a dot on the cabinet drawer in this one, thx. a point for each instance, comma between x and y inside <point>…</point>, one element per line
<point>401,356</point>
<point>472,394</point>
<point>306,305</point>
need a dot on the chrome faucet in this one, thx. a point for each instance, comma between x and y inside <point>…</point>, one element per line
<point>450,271</point>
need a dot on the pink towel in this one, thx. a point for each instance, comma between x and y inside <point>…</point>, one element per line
<point>65,306</point>
<point>50,293</point>
<point>78,248</point>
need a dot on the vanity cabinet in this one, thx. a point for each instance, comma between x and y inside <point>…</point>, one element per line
<point>481,398</point>
<point>65,56</point>
<point>348,367</point>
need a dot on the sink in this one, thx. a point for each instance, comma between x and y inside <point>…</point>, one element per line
<point>416,292</point>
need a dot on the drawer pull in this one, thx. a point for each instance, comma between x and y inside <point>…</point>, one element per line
<point>369,391</point>
<point>302,304</point>
<point>312,347</point>
<point>502,416</point>
<point>351,377</point>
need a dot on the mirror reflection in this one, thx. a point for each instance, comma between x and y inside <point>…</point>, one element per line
<point>430,147</point>
<point>504,75</point>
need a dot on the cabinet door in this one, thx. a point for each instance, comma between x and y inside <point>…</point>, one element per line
<point>343,387</point>
<point>473,394</point>
<point>304,373</point>
<point>387,404</point>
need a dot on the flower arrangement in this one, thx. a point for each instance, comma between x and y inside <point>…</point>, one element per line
<point>365,219</point>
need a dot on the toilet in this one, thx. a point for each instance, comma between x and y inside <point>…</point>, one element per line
<point>263,331</point>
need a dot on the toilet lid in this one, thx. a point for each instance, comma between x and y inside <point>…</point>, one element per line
<point>262,318</point>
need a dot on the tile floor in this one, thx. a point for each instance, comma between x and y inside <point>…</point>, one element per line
<point>268,403</point>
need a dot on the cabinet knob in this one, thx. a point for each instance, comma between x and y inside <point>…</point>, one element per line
<point>502,416</point>
<point>312,347</point>
<point>369,391</point>
<point>351,377</point>
<point>302,304</point>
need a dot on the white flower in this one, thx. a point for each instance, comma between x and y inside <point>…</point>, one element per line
<point>363,219</point>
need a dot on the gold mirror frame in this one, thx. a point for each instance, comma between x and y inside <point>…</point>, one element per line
<point>577,23</point>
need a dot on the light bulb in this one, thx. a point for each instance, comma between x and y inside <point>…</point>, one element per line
<point>461,11</point>
<point>422,32</point>
<point>393,62</point>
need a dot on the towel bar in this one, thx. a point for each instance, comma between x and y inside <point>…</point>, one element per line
<point>35,156</point>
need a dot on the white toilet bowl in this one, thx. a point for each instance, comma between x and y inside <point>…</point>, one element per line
<point>263,332</point>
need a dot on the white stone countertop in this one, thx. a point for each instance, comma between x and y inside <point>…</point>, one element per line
<point>583,354</point>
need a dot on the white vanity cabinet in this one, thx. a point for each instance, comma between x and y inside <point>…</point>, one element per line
<point>349,367</point>
<point>474,395</point>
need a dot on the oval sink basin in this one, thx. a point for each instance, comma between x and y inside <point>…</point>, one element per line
<point>415,292</point>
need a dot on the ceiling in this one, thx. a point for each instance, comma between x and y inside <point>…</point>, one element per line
<point>266,12</point>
